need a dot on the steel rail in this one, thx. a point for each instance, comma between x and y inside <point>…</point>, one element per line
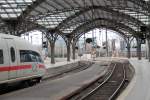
<point>121,84</point>
<point>95,89</point>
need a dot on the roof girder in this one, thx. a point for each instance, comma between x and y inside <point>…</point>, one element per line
<point>130,18</point>
<point>37,3</point>
<point>122,34</point>
<point>30,8</point>
<point>113,24</point>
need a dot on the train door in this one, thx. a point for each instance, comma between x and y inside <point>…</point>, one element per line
<point>12,58</point>
<point>4,61</point>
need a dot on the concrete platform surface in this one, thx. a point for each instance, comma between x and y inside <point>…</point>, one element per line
<point>139,88</point>
<point>59,62</point>
<point>56,89</point>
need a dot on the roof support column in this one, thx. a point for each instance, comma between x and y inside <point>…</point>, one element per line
<point>128,42</point>
<point>148,37</point>
<point>52,37</point>
<point>68,39</point>
<point>52,44</point>
<point>128,47</point>
<point>68,51</point>
<point>129,51</point>
<point>138,40</point>
<point>107,52</point>
<point>148,40</point>
<point>74,41</point>
<point>146,51</point>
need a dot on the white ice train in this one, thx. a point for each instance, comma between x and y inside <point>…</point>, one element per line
<point>19,61</point>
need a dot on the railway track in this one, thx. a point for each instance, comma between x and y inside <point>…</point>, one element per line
<point>106,88</point>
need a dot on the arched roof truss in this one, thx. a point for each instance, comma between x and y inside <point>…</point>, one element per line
<point>63,15</point>
<point>102,23</point>
<point>119,32</point>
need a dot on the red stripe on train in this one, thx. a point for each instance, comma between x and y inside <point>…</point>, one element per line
<point>12,68</point>
<point>41,66</point>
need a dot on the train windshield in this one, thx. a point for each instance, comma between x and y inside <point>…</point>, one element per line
<point>30,56</point>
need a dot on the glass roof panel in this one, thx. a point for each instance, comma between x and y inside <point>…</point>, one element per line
<point>58,10</point>
<point>54,19</point>
<point>142,17</point>
<point>13,8</point>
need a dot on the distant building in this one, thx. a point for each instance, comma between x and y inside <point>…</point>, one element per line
<point>88,48</point>
<point>113,45</point>
<point>122,45</point>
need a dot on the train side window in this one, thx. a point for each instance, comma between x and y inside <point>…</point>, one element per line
<point>22,56</point>
<point>25,56</point>
<point>12,52</point>
<point>1,57</point>
<point>29,56</point>
<point>33,57</point>
<point>37,56</point>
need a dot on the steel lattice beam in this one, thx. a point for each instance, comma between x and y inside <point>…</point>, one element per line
<point>130,18</point>
<point>122,34</point>
<point>30,8</point>
<point>109,23</point>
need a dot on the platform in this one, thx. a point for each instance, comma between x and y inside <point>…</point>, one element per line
<point>59,62</point>
<point>139,87</point>
<point>59,88</point>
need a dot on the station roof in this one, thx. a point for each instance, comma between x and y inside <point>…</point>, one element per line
<point>73,16</point>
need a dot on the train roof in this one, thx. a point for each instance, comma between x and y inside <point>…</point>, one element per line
<point>20,42</point>
<point>7,36</point>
